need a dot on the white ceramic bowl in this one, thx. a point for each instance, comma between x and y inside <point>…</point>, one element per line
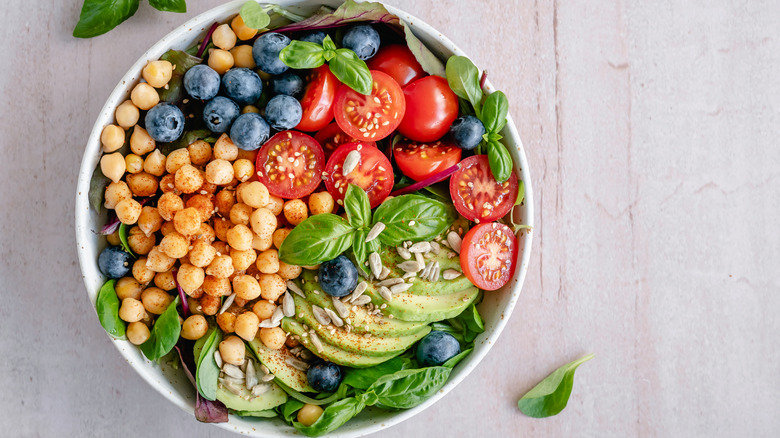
<point>172,384</point>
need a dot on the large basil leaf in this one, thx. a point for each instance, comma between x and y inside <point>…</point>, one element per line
<point>254,15</point>
<point>362,378</point>
<point>317,239</point>
<point>463,77</point>
<point>333,417</point>
<point>302,55</point>
<point>408,388</point>
<point>413,217</point>
<point>351,71</point>
<point>500,161</point>
<point>107,307</point>
<point>207,371</point>
<point>357,206</point>
<point>97,189</point>
<point>164,334</point>
<point>551,395</point>
<point>99,16</point>
<point>169,5</point>
<point>494,112</point>
<point>183,61</point>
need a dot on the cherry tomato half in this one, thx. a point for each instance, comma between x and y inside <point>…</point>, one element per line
<point>476,194</point>
<point>370,117</point>
<point>488,255</point>
<point>399,62</point>
<point>331,137</point>
<point>421,160</point>
<point>373,173</point>
<point>431,109</point>
<point>317,101</point>
<point>290,164</point>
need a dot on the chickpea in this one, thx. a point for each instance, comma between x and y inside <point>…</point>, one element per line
<point>158,73</point>
<point>203,204</point>
<point>206,233</point>
<point>194,327</point>
<point>128,210</point>
<point>242,31</point>
<point>155,300</point>
<point>210,305</point>
<point>190,278</point>
<point>224,201</point>
<point>273,338</point>
<point>202,253</point>
<point>227,321</point>
<point>144,96</point>
<point>141,272</point>
<point>200,152</point>
<point>167,228</point>
<point>187,221</point>
<point>243,169</point>
<point>275,205</point>
<point>246,287</point>
<point>143,184</point>
<point>150,220</point>
<point>165,280</point>
<point>221,247</point>
<point>221,227</point>
<point>289,272</point>
<point>158,261</point>
<point>242,56</point>
<point>221,266</point>
<point>240,214</point>
<point>246,325</point>
<point>264,309</point>
<point>243,259</point>
<point>126,115</point>
<point>280,235</point>
<point>177,159</point>
<point>220,60</point>
<point>268,261</point>
<point>224,37</point>
<point>155,163</point>
<point>141,143</point>
<point>167,183</point>
<point>309,414</point>
<point>240,237</point>
<point>207,188</point>
<point>137,333</point>
<point>112,137</point>
<point>188,179</point>
<point>232,350</point>
<point>131,310</point>
<point>263,223</point>
<point>255,195</point>
<point>113,166</point>
<point>320,203</point>
<point>139,242</point>
<point>194,305</point>
<point>219,172</point>
<point>174,245</point>
<point>217,287</point>
<point>295,211</point>
<point>224,149</point>
<point>250,109</point>
<point>272,286</point>
<point>128,287</point>
<point>133,163</point>
<point>169,204</point>
<point>115,192</point>
<point>262,243</point>
<point>113,238</point>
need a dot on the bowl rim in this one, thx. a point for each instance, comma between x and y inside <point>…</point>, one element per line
<point>92,153</point>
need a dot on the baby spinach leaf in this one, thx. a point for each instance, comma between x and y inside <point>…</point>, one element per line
<point>207,371</point>
<point>302,55</point>
<point>183,61</point>
<point>463,77</point>
<point>305,398</point>
<point>333,417</point>
<point>169,5</point>
<point>451,362</point>
<point>289,409</point>
<point>494,112</point>
<point>254,15</point>
<point>317,239</point>
<point>164,334</point>
<point>357,206</point>
<point>413,217</point>
<point>500,161</point>
<point>107,307</point>
<point>97,189</point>
<point>551,395</point>
<point>408,388</point>
<point>123,229</point>
<point>99,16</point>
<point>362,378</point>
<point>351,71</point>
<point>270,413</point>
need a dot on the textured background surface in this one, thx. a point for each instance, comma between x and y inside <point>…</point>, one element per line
<point>651,130</point>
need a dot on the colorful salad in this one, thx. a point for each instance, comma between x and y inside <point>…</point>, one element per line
<point>303,214</point>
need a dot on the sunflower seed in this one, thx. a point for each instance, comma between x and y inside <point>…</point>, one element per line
<point>264,369</point>
<point>420,260</point>
<point>260,389</point>
<point>315,340</point>
<point>228,379</point>
<point>296,290</point>
<point>268,323</point>
<point>320,315</point>
<point>410,266</point>
<point>404,253</point>
<point>268,377</point>
<point>451,274</point>
<point>231,387</point>
<point>228,301</point>
<point>376,264</point>
<point>434,274</point>
<point>398,288</point>
<point>385,293</point>
<point>362,300</point>
<point>375,231</point>
<point>352,160</point>
<point>218,359</point>
<point>409,275</point>
<point>277,316</point>
<point>454,240</point>
<point>435,248</point>
<point>341,309</point>
<point>233,371</point>
<point>251,374</point>
<point>390,281</point>
<point>307,355</point>
<point>420,247</point>
<point>427,270</point>
<point>362,274</point>
<point>243,366</point>
<point>288,305</point>
<point>297,364</point>
<point>407,244</point>
<point>385,273</point>
<point>338,322</point>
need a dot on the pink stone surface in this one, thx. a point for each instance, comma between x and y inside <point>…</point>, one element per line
<point>651,130</point>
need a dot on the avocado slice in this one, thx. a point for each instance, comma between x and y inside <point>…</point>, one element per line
<point>391,259</point>
<point>331,352</point>
<point>356,343</point>
<point>245,401</point>
<point>425,308</point>
<point>276,361</point>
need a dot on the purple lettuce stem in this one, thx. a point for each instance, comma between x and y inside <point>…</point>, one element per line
<point>206,40</point>
<point>427,181</point>
<point>185,307</point>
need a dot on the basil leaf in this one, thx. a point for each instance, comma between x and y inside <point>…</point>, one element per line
<point>351,71</point>
<point>451,362</point>
<point>360,250</point>
<point>362,378</point>
<point>97,189</point>
<point>500,161</point>
<point>207,371</point>
<point>317,239</point>
<point>99,16</point>
<point>289,409</point>
<point>123,229</point>
<point>520,192</point>
<point>357,206</point>
<point>169,5</point>
<point>254,15</point>
<point>551,395</point>
<point>330,48</point>
<point>107,307</point>
<point>413,217</point>
<point>183,61</point>
<point>333,417</point>
<point>463,77</point>
<point>494,112</point>
<point>408,388</point>
<point>164,335</point>
<point>302,55</point>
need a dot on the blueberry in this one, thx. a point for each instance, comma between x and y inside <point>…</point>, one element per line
<point>363,40</point>
<point>338,277</point>
<point>324,376</point>
<point>288,83</point>
<point>283,112</point>
<point>436,348</point>
<point>467,131</point>
<point>114,262</point>
<point>201,82</point>
<point>315,36</point>
<point>219,113</point>
<point>242,85</point>
<point>249,131</point>
<point>164,122</point>
<point>266,50</point>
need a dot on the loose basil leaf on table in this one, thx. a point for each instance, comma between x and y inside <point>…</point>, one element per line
<point>254,15</point>
<point>317,239</point>
<point>551,395</point>
<point>97,189</point>
<point>99,16</point>
<point>302,55</point>
<point>207,371</point>
<point>179,6</point>
<point>351,71</point>
<point>123,229</point>
<point>500,161</point>
<point>408,388</point>
<point>333,417</point>
<point>164,335</point>
<point>183,62</point>
<point>107,306</point>
<point>357,206</point>
<point>413,217</point>
<point>463,78</point>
